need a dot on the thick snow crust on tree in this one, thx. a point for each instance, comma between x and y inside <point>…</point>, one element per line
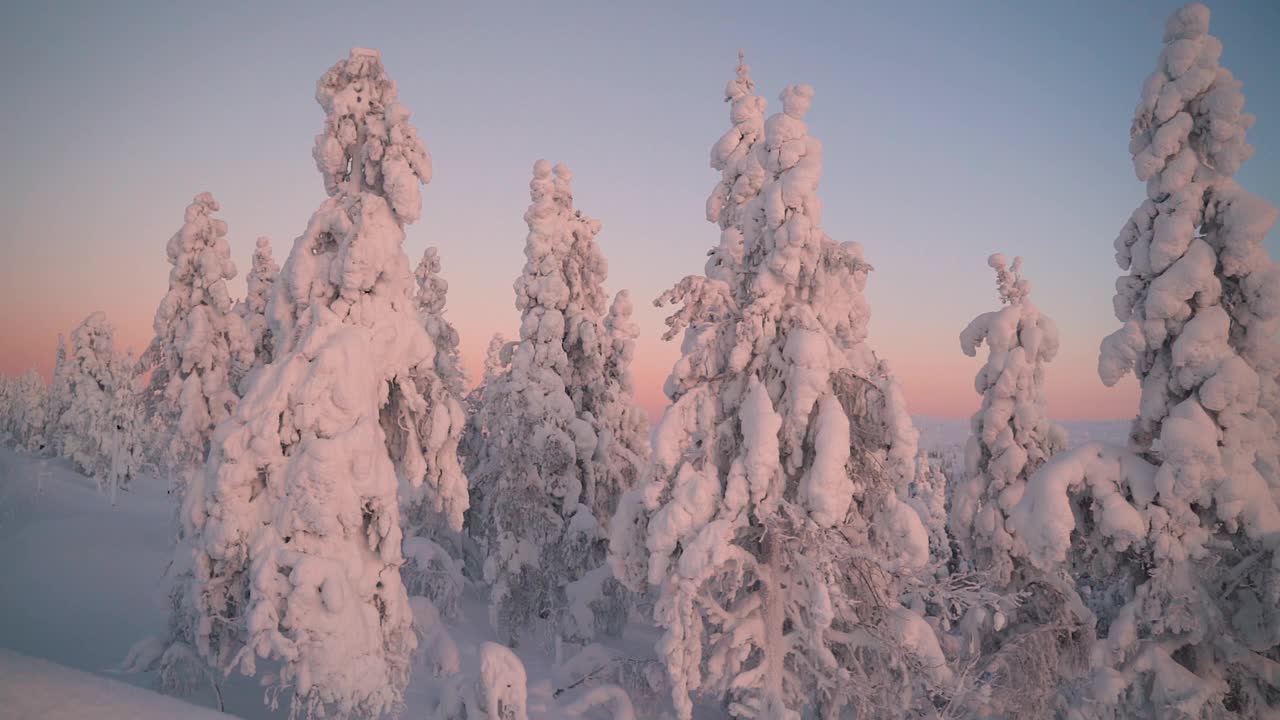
<point>772,533</point>
<point>558,434</point>
<point>201,345</point>
<point>296,519</point>
<point>1175,549</point>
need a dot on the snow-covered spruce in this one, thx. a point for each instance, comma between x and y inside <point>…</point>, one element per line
<point>558,434</point>
<point>200,344</point>
<point>22,410</point>
<point>200,350</point>
<point>1175,550</point>
<point>1037,634</point>
<point>771,531</point>
<point>296,520</point>
<point>253,308</point>
<point>1012,432</point>
<point>96,417</point>
<point>57,399</point>
<point>433,512</point>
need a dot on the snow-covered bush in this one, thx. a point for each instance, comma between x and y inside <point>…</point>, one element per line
<point>498,691</point>
<point>772,530</point>
<point>1036,634</point>
<point>556,433</point>
<point>1175,548</point>
<point>295,520</point>
<point>200,344</point>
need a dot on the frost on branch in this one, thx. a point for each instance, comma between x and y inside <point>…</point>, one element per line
<point>295,520</point>
<point>557,435</point>
<point>1176,550</point>
<point>773,533</point>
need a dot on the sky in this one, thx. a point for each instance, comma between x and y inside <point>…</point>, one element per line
<point>950,131</point>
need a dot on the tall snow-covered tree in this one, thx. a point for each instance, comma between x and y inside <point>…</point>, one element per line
<point>1037,635</point>
<point>1173,544</point>
<point>554,446</point>
<point>200,344</point>
<point>253,309</point>
<point>772,532</point>
<point>433,512</point>
<point>1012,432</point>
<point>296,520</point>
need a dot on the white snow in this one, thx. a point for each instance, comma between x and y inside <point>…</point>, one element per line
<point>34,688</point>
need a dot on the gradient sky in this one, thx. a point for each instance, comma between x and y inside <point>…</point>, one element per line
<point>950,131</point>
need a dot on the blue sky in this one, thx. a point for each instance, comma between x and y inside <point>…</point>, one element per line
<point>950,131</point>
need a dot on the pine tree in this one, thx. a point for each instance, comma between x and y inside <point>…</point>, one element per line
<point>778,547</point>
<point>555,442</point>
<point>1174,549</point>
<point>296,520</point>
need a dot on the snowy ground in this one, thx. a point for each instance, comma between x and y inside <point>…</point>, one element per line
<point>34,688</point>
<point>82,581</point>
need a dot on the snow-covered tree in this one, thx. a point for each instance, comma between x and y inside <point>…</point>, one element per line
<point>433,512</point>
<point>433,290</point>
<point>98,426</point>
<point>1012,432</point>
<point>1037,634</point>
<point>1174,548</point>
<point>556,442</point>
<point>200,344</point>
<point>296,520</point>
<point>57,400</point>
<point>253,309</point>
<point>23,400</point>
<point>771,531</point>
